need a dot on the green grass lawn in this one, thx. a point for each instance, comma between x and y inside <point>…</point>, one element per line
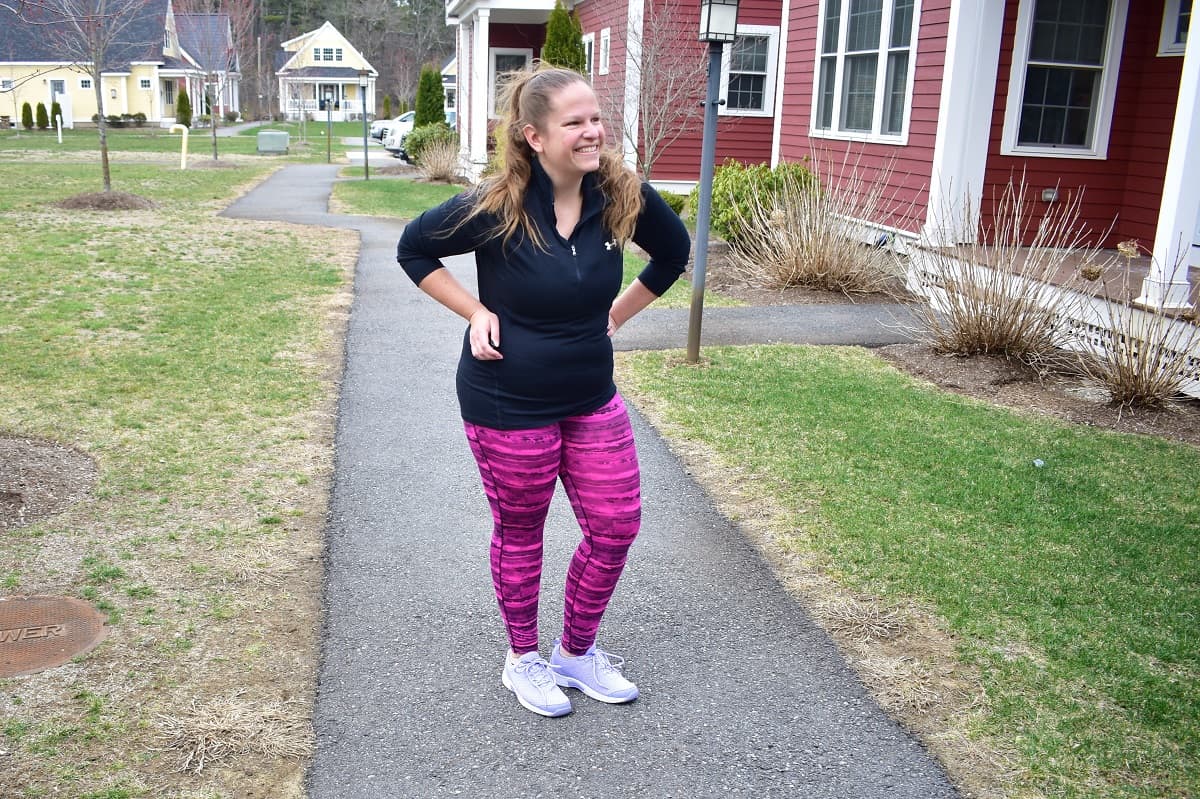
<point>193,358</point>
<point>1072,585</point>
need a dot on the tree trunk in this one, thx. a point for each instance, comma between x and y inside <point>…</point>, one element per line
<point>102,127</point>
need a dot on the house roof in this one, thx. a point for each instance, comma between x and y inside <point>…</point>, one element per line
<point>39,36</point>
<point>342,73</point>
<point>208,39</point>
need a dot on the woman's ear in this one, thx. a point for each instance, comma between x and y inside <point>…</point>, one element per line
<point>532,138</point>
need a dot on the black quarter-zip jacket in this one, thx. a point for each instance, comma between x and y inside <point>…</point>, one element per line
<point>553,302</point>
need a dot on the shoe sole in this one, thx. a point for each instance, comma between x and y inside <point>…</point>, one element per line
<point>529,706</point>
<point>579,685</point>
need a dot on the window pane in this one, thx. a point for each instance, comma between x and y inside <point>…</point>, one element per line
<point>1069,31</point>
<point>833,18</point>
<point>825,93</point>
<point>749,54</point>
<point>746,92</point>
<point>897,84</point>
<point>902,17</point>
<point>863,25</point>
<point>1185,15</point>
<point>509,62</point>
<point>858,92</point>
<point>1058,106</point>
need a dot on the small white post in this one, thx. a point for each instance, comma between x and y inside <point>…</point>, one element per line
<point>183,152</point>
<point>58,124</point>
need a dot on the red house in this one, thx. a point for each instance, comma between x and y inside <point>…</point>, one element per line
<point>958,96</point>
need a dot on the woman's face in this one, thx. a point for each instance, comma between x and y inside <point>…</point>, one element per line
<point>569,140</point>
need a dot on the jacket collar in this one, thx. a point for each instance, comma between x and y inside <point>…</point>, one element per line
<point>540,198</point>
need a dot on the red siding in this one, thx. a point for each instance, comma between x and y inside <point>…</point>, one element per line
<point>911,164</point>
<point>501,35</point>
<point>1124,190</point>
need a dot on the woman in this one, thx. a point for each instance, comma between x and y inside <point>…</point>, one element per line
<point>535,379</point>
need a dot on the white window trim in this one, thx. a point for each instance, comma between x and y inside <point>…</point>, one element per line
<point>85,83</point>
<point>589,51</point>
<point>492,53</point>
<point>316,54</point>
<point>900,138</point>
<point>1166,41</point>
<point>144,83</point>
<point>5,85</point>
<point>1108,88</point>
<point>772,34</point>
<point>605,50</point>
<point>337,54</point>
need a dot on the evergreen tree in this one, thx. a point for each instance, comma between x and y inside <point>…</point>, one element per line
<point>431,99</point>
<point>564,40</point>
<point>43,119</point>
<point>55,112</point>
<point>387,106</point>
<point>27,116</point>
<point>183,108</point>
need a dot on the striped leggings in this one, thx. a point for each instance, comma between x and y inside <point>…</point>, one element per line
<point>595,457</point>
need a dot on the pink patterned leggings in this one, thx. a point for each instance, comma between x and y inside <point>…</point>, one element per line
<point>595,457</point>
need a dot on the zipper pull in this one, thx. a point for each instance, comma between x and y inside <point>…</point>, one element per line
<point>573,251</point>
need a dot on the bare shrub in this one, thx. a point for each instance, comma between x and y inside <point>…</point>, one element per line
<point>1143,356</point>
<point>439,161</point>
<point>822,234</point>
<point>996,294</point>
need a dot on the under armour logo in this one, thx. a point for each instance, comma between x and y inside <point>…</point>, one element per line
<point>608,245</point>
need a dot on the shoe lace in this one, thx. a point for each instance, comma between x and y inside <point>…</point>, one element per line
<point>608,662</point>
<point>537,672</point>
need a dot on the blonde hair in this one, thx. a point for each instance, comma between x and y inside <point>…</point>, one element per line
<point>525,97</point>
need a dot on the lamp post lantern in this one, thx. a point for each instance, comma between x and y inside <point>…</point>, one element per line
<point>718,24</point>
<point>362,97</point>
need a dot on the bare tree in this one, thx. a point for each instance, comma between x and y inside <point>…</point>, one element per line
<point>669,67</point>
<point>98,35</point>
<point>213,32</point>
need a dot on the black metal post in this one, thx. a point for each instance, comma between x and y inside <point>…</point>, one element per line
<point>708,155</point>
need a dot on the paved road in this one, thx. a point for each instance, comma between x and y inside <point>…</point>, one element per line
<point>742,694</point>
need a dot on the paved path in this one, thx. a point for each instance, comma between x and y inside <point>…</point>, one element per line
<point>742,694</point>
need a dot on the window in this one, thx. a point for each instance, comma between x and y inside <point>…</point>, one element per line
<point>85,83</point>
<point>451,99</point>
<point>337,54</point>
<point>748,71</point>
<point>605,48</point>
<point>57,87</point>
<point>504,60</point>
<point>865,61</point>
<point>6,85</point>
<point>1064,77</point>
<point>589,48</point>
<point>327,55</point>
<point>168,93</point>
<point>316,54</point>
<point>1176,16</point>
<point>144,83</point>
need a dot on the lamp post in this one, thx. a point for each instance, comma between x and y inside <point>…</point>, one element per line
<point>718,24</point>
<point>362,97</point>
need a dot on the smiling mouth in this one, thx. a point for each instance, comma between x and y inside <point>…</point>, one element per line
<point>595,148</point>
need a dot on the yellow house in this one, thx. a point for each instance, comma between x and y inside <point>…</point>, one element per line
<point>323,76</point>
<point>157,53</point>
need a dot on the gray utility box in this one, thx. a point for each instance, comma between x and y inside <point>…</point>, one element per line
<point>273,141</point>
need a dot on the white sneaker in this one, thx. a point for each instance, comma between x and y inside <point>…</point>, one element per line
<point>595,673</point>
<point>530,679</point>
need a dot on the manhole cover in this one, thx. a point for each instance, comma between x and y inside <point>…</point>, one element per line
<point>41,632</point>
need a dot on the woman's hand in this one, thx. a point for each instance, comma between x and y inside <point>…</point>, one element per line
<point>485,335</point>
<point>612,326</point>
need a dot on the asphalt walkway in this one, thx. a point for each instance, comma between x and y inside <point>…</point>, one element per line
<point>741,693</point>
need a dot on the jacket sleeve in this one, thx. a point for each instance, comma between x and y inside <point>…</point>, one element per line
<point>662,234</point>
<point>438,233</point>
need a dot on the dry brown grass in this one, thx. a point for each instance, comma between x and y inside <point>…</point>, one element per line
<point>826,234</point>
<point>439,161</point>
<point>209,732</point>
<point>995,294</point>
